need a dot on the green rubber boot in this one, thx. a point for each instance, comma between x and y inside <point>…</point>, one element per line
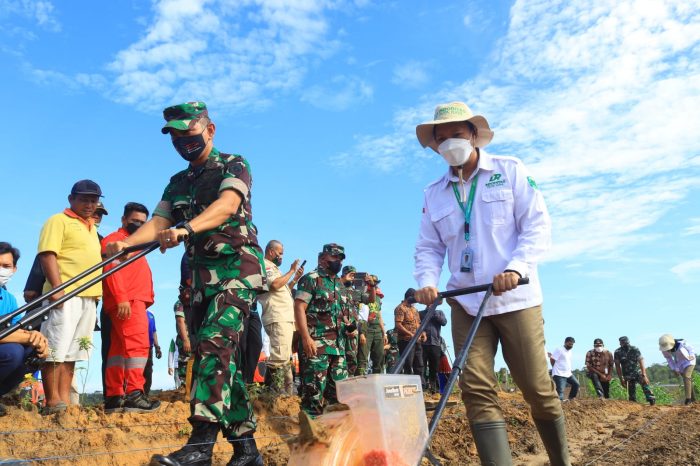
<point>553,435</point>
<point>491,441</point>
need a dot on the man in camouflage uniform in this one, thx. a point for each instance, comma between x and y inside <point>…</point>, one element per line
<point>375,333</point>
<point>391,350</point>
<point>349,336</point>
<point>209,202</point>
<point>318,309</point>
<point>182,341</point>
<point>629,365</point>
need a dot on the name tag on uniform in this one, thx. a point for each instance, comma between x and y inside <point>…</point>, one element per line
<point>467,260</point>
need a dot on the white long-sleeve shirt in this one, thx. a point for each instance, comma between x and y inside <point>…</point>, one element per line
<point>510,229</point>
<point>683,357</point>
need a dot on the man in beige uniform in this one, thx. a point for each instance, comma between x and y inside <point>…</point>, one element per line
<point>278,317</point>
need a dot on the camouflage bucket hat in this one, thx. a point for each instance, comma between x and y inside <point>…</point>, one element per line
<point>348,269</point>
<point>183,117</point>
<point>334,250</point>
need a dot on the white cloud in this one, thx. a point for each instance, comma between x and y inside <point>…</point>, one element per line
<point>235,52</point>
<point>600,100</point>
<point>411,75</point>
<point>39,11</point>
<point>340,94</point>
<point>694,228</point>
<point>688,271</point>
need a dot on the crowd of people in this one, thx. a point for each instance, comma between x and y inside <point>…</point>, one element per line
<point>330,317</point>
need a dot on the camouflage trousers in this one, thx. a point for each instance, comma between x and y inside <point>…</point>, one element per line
<point>182,358</point>
<point>318,377</point>
<point>632,381</point>
<point>351,347</point>
<point>218,392</point>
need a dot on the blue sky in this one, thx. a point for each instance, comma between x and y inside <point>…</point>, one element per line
<point>600,101</point>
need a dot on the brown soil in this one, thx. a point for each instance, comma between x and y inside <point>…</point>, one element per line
<point>599,432</point>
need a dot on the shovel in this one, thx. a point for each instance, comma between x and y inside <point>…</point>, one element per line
<point>460,358</point>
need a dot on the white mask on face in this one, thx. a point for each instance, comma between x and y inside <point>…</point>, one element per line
<point>455,151</point>
<point>5,275</point>
<point>598,349</point>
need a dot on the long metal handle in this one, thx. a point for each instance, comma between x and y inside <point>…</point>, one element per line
<point>431,312</point>
<point>9,328</point>
<point>5,320</point>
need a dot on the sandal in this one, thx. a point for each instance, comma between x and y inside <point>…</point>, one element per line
<point>59,408</point>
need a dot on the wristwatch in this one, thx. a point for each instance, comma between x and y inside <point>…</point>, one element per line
<point>190,231</point>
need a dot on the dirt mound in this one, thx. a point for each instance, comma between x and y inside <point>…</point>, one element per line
<point>600,432</point>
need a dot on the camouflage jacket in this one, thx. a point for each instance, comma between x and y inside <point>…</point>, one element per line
<point>391,355</point>
<point>227,256</point>
<point>629,360</point>
<point>375,313</point>
<point>325,298</point>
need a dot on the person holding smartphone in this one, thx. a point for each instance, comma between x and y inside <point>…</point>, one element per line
<point>278,317</point>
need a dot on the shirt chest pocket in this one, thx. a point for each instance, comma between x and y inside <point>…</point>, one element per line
<point>448,221</point>
<point>497,206</point>
<point>323,300</point>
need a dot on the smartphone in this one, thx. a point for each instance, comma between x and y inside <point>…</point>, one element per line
<point>302,264</point>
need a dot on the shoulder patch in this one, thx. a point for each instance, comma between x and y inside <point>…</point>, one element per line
<point>532,183</point>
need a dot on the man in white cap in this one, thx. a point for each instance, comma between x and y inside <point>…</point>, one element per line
<point>681,360</point>
<point>489,217</point>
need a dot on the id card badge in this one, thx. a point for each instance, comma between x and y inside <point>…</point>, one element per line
<point>467,260</point>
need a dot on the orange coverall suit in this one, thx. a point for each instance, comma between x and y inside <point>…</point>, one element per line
<point>129,348</point>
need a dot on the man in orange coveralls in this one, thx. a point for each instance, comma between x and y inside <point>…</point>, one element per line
<point>127,294</point>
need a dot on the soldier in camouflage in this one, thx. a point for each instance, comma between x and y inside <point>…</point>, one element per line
<point>348,338</point>
<point>391,350</point>
<point>209,202</point>
<point>629,365</point>
<point>375,332</point>
<point>318,314</point>
<point>182,341</point>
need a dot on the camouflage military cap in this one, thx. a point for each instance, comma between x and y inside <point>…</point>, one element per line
<point>348,269</point>
<point>375,279</point>
<point>334,250</point>
<point>101,208</point>
<point>183,117</point>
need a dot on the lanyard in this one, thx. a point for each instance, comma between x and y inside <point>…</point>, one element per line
<point>467,209</point>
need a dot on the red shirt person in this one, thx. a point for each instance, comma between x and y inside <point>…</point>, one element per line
<point>127,295</point>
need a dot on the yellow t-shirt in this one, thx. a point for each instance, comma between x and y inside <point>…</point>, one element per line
<point>77,248</point>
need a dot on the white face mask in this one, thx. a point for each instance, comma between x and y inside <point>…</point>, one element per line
<point>598,349</point>
<point>455,151</point>
<point>5,275</point>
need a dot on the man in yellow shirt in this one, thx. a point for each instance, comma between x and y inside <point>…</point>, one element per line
<point>68,245</point>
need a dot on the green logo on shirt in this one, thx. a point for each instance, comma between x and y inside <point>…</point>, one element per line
<point>532,183</point>
<point>495,180</point>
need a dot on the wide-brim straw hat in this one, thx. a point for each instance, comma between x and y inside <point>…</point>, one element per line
<point>452,112</point>
<point>666,342</point>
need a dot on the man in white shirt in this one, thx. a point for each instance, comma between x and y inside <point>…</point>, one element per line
<point>487,215</point>
<point>278,317</point>
<point>561,369</point>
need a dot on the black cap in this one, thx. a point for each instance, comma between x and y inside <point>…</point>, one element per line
<point>624,339</point>
<point>598,341</point>
<point>86,187</point>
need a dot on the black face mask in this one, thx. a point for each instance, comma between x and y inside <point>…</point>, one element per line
<point>190,147</point>
<point>347,282</point>
<point>277,261</point>
<point>131,227</point>
<point>334,267</point>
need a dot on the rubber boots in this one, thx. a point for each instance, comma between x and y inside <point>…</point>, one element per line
<point>197,452</point>
<point>491,441</point>
<point>245,451</point>
<point>553,435</point>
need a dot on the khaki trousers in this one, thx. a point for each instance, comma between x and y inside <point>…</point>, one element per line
<point>280,334</point>
<point>521,334</point>
<point>688,382</point>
